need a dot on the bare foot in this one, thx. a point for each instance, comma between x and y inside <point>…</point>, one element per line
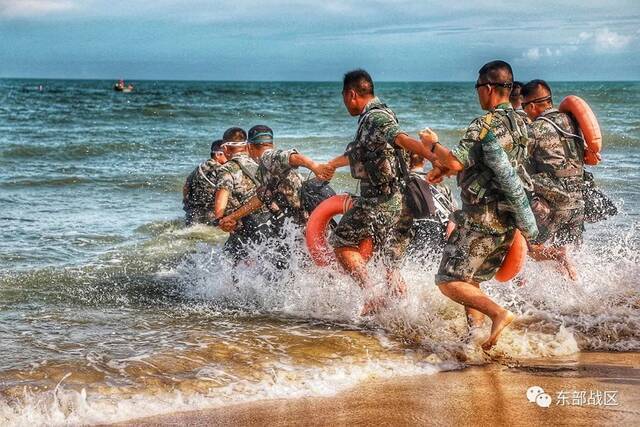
<point>499,323</point>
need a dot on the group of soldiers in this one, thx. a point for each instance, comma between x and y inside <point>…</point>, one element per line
<point>519,167</point>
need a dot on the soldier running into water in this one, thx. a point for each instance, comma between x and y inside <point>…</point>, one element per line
<point>236,186</point>
<point>556,153</point>
<point>373,162</point>
<point>280,181</point>
<point>199,191</point>
<point>279,188</point>
<point>489,164</point>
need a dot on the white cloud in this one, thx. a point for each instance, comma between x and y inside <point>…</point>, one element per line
<point>606,40</point>
<point>535,53</point>
<point>30,8</point>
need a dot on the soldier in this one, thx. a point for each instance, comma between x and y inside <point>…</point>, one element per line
<point>280,182</point>
<point>199,191</point>
<point>488,161</point>
<point>556,166</point>
<point>516,101</point>
<point>372,160</point>
<point>237,185</point>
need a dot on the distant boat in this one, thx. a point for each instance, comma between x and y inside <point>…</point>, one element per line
<point>121,87</point>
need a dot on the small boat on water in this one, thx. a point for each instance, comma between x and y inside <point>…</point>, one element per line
<point>122,87</point>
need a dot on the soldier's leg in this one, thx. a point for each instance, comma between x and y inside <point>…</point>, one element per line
<point>353,228</point>
<point>469,258</point>
<point>395,249</point>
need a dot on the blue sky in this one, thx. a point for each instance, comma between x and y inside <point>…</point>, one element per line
<point>318,40</point>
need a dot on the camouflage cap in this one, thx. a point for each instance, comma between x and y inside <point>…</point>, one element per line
<point>260,134</point>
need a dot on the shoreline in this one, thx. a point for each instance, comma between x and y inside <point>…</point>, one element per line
<point>479,395</point>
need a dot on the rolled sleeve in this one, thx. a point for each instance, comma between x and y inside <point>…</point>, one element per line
<point>225,181</point>
<point>387,126</point>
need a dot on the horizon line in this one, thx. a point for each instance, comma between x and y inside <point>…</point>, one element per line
<point>290,81</point>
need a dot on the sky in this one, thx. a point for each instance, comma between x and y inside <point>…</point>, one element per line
<point>395,40</point>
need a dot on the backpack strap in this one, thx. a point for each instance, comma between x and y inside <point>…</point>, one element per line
<point>202,174</point>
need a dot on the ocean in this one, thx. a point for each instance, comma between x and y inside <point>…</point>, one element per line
<point>111,309</point>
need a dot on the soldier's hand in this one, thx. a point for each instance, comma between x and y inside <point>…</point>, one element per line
<point>228,224</point>
<point>436,175</point>
<point>427,136</point>
<point>325,171</point>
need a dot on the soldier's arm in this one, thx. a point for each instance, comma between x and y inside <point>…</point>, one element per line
<point>222,198</point>
<point>229,222</point>
<point>225,185</point>
<point>322,171</point>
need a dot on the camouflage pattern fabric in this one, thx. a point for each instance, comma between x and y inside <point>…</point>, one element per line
<point>524,115</point>
<point>231,177</point>
<point>472,256</point>
<point>373,217</point>
<point>558,227</point>
<point>281,184</point>
<point>485,226</point>
<point>483,215</point>
<point>371,154</point>
<point>201,193</point>
<point>552,154</point>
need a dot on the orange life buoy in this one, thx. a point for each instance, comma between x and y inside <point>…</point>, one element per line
<point>515,259</point>
<point>589,126</point>
<point>316,233</point>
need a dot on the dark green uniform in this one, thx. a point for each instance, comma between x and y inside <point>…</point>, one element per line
<point>199,200</point>
<point>485,225</point>
<point>236,177</point>
<point>556,168</point>
<point>372,160</point>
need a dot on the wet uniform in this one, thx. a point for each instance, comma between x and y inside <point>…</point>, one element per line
<point>199,200</point>
<point>280,187</point>
<point>235,176</point>
<point>378,209</point>
<point>485,226</point>
<point>556,168</point>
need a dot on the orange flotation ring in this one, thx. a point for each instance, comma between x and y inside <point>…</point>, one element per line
<point>515,259</point>
<point>589,126</point>
<point>316,233</point>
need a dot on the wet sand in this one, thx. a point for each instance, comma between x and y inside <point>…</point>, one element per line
<point>493,394</point>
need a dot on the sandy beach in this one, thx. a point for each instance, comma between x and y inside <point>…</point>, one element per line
<point>493,394</point>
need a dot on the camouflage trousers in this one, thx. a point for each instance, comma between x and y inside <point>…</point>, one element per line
<point>381,218</point>
<point>558,227</point>
<point>472,256</point>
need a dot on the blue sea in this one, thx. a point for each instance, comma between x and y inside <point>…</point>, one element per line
<point>111,309</point>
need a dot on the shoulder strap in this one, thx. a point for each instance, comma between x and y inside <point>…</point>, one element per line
<point>202,174</point>
<point>246,172</point>
<point>559,129</point>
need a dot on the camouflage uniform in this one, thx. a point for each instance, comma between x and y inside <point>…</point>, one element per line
<point>485,226</point>
<point>280,186</point>
<point>254,227</point>
<point>556,168</point>
<point>377,210</point>
<point>201,193</point>
<point>524,115</point>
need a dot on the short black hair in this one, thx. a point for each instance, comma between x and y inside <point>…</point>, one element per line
<point>234,134</point>
<point>533,87</point>
<point>260,134</point>
<point>498,72</point>
<point>358,80</point>
<point>216,146</point>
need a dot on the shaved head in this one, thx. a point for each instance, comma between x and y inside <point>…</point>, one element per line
<point>535,89</point>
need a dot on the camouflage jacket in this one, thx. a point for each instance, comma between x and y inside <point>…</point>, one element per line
<point>482,199</point>
<point>201,187</point>
<point>280,183</point>
<point>556,160</point>
<point>240,186</point>
<point>372,152</point>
